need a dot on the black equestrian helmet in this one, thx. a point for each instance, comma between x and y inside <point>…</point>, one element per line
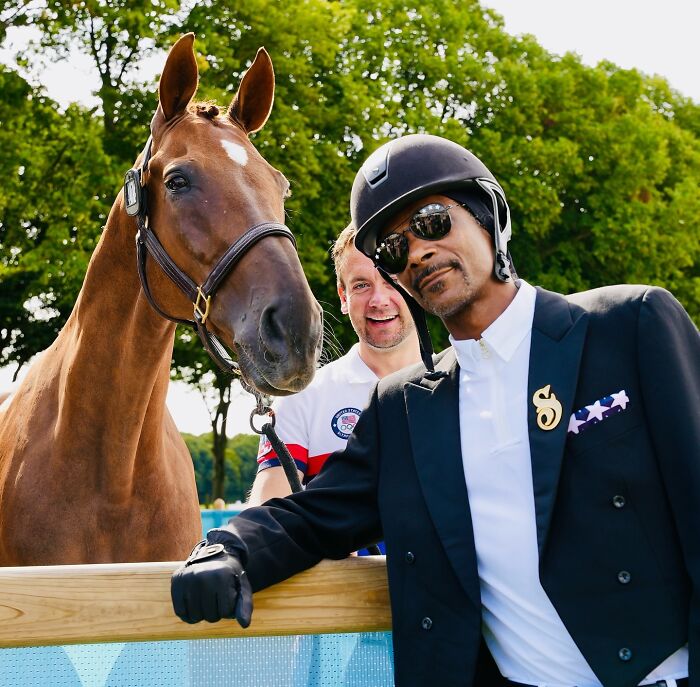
<point>405,169</point>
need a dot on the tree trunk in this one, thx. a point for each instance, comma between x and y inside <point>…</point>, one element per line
<point>220,440</point>
<point>112,142</point>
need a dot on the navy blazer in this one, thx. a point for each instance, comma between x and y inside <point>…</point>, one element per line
<point>620,497</point>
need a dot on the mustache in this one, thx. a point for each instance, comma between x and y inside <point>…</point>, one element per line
<point>431,269</point>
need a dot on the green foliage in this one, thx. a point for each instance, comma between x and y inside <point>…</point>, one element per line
<point>601,165</point>
<point>56,192</point>
<point>117,34</point>
<point>15,13</point>
<point>240,465</point>
<point>598,174</point>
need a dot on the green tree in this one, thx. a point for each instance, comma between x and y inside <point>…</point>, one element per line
<point>199,447</point>
<point>245,448</point>
<point>56,192</point>
<point>16,13</point>
<point>599,178</point>
<point>117,35</point>
<point>240,466</point>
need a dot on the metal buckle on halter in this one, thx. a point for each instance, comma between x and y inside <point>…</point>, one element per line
<point>197,310</point>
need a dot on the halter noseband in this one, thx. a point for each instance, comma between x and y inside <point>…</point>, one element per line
<point>200,296</point>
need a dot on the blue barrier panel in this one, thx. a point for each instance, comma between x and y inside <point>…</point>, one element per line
<point>216,518</point>
<point>337,660</point>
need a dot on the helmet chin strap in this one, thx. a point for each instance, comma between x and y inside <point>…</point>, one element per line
<point>418,314</point>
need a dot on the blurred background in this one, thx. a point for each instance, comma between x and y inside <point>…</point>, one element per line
<point>587,113</point>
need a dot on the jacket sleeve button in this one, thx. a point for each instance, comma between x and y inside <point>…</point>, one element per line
<point>623,577</point>
<point>410,557</point>
<point>426,623</point>
<point>619,501</point>
<point>625,654</point>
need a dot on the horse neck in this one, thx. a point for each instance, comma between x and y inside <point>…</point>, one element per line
<point>112,361</point>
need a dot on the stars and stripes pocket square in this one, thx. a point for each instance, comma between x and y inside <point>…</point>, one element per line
<point>591,415</point>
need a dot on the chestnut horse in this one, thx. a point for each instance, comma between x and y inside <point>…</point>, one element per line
<point>92,467</point>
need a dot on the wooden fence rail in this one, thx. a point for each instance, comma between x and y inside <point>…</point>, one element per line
<point>130,602</point>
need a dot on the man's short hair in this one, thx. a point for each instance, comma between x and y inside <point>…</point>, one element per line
<point>344,242</point>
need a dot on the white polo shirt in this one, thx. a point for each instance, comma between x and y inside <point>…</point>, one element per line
<point>319,420</point>
<point>522,629</point>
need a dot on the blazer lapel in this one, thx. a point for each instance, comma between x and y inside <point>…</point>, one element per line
<point>558,335</point>
<point>433,420</point>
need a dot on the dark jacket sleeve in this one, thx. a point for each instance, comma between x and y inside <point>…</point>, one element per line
<point>336,515</point>
<point>669,364</point>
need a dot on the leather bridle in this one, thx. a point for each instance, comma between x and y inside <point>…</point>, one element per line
<point>200,296</point>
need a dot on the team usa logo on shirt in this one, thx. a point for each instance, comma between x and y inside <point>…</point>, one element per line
<point>344,422</point>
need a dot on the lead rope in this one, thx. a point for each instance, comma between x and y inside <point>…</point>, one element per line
<point>263,408</point>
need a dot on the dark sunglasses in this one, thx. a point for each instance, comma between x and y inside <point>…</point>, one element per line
<point>431,223</point>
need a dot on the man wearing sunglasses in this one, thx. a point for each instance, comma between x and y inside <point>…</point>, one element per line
<point>537,487</point>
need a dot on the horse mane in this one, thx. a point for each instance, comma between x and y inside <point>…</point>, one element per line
<point>206,108</point>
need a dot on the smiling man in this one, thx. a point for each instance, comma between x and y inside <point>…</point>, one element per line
<point>538,488</point>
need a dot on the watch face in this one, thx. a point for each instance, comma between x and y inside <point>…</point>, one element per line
<point>344,422</point>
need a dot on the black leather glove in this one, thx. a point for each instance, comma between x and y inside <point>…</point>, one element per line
<point>212,585</point>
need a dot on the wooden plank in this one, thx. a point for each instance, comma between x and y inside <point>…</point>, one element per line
<point>130,602</point>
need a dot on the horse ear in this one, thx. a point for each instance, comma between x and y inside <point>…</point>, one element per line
<point>252,104</point>
<point>179,79</point>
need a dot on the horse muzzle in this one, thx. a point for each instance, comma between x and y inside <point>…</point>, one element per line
<point>280,354</point>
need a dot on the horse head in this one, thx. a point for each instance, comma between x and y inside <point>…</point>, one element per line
<point>209,195</point>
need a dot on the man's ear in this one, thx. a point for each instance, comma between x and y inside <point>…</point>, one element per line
<point>343,300</point>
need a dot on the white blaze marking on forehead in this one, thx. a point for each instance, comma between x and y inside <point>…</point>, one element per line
<point>236,152</point>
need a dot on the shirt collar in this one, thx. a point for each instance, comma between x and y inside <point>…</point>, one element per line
<point>360,373</point>
<point>505,334</point>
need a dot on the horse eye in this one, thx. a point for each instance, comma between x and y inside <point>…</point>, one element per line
<point>176,183</point>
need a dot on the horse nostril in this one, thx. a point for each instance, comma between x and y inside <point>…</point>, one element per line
<point>288,334</point>
<point>272,333</point>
